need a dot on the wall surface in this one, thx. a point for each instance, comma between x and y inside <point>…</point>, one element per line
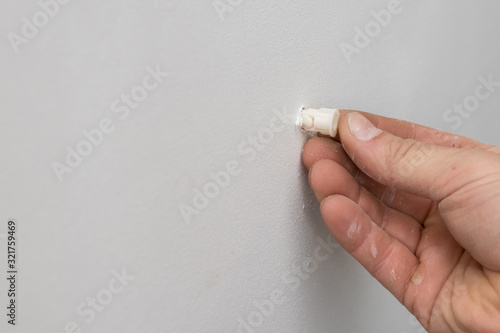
<point>116,115</point>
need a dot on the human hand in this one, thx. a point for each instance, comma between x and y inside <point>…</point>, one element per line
<point>420,210</point>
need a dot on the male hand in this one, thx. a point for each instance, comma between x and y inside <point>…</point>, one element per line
<point>420,210</point>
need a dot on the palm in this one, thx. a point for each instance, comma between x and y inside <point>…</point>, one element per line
<point>460,289</point>
<point>408,243</point>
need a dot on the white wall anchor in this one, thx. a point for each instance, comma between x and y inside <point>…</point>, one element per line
<point>324,121</point>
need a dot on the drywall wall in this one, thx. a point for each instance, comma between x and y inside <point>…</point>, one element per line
<point>114,114</point>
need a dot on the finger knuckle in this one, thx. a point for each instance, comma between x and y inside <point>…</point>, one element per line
<point>403,156</point>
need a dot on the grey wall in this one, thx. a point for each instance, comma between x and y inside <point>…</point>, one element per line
<point>127,207</point>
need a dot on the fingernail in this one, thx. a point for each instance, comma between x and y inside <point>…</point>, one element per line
<point>309,176</point>
<point>361,127</point>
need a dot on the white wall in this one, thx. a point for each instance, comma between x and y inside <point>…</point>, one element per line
<point>120,208</point>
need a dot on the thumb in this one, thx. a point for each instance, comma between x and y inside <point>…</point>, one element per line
<point>430,171</point>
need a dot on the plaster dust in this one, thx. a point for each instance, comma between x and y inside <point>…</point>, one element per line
<point>394,276</point>
<point>353,230</point>
<point>300,119</point>
<point>374,251</point>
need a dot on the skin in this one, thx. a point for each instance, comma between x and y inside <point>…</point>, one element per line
<point>420,210</point>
